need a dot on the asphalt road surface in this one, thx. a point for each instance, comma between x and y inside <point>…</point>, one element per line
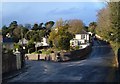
<point>98,67</point>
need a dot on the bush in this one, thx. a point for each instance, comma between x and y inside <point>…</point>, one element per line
<point>46,51</point>
<point>7,51</point>
<point>31,50</point>
<point>16,46</point>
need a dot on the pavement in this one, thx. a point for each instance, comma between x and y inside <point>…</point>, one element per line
<point>100,66</point>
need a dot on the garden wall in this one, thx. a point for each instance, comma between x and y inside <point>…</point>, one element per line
<point>77,54</point>
<point>51,56</point>
<point>65,56</point>
<point>8,63</point>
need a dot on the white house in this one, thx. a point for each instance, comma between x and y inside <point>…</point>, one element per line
<point>82,40</point>
<point>23,41</point>
<point>43,43</point>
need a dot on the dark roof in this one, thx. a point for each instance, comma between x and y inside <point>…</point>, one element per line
<point>83,32</point>
<point>7,40</point>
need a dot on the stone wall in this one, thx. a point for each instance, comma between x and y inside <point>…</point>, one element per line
<point>8,63</point>
<point>51,57</point>
<point>77,54</point>
<point>64,56</point>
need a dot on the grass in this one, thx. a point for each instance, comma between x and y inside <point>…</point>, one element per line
<point>35,52</point>
<point>46,51</point>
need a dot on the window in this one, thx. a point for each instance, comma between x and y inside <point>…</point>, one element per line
<point>82,36</point>
<point>79,42</point>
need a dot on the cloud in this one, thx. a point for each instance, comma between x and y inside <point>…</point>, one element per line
<point>42,12</point>
<point>53,0</point>
<point>63,11</point>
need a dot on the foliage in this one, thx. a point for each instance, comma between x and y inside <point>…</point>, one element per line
<point>7,51</point>
<point>77,47</point>
<point>35,35</point>
<point>115,20</point>
<point>35,27</point>
<point>92,27</point>
<point>31,46</point>
<point>15,31</point>
<point>49,24</point>
<point>46,51</point>
<point>28,26</point>
<point>109,24</point>
<point>29,35</point>
<point>103,24</point>
<point>59,23</point>
<point>16,46</point>
<point>86,28</point>
<point>60,37</point>
<point>4,31</point>
<point>75,26</point>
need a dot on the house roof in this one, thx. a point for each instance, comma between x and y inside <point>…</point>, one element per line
<point>83,32</point>
<point>8,40</point>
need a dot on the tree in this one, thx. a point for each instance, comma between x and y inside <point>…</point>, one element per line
<point>75,26</point>
<point>64,41</point>
<point>61,37</point>
<point>28,26</point>
<point>4,30</point>
<point>108,24</point>
<point>92,27</point>
<point>35,27</point>
<point>42,33</point>
<point>29,34</point>
<point>19,32</point>
<point>86,28</point>
<point>31,46</point>
<point>24,31</point>
<point>12,26</point>
<point>40,26</point>
<point>36,36</point>
<point>49,24</point>
<point>103,23</point>
<point>115,20</point>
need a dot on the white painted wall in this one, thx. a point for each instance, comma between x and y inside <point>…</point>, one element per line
<point>18,59</point>
<point>80,39</point>
<point>84,45</point>
<point>78,36</point>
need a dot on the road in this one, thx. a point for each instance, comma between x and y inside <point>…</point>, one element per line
<point>98,67</point>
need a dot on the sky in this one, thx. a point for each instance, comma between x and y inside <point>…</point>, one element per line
<point>37,12</point>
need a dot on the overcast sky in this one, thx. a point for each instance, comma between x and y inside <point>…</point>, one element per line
<point>37,12</point>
